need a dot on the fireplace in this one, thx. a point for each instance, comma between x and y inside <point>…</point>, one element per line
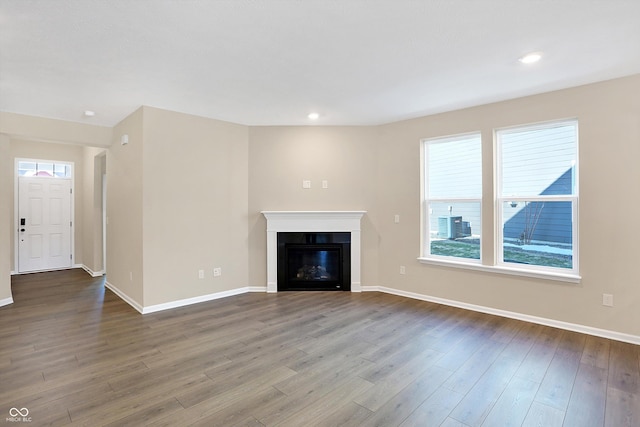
<point>314,261</point>
<point>312,229</point>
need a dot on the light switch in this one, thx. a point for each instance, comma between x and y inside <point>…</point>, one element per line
<point>306,184</point>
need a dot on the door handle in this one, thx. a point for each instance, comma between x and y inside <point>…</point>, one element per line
<point>22,229</point>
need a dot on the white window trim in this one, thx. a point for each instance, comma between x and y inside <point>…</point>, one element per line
<point>499,200</point>
<point>499,266</point>
<point>502,269</point>
<point>425,220</point>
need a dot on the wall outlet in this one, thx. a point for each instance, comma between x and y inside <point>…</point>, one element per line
<point>200,274</point>
<point>607,299</point>
<point>217,272</point>
<point>403,269</point>
<point>325,183</point>
<point>396,219</point>
<point>306,184</point>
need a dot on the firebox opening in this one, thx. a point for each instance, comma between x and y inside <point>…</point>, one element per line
<point>313,261</point>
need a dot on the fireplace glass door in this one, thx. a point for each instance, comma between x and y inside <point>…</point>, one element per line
<point>314,261</point>
<point>313,267</point>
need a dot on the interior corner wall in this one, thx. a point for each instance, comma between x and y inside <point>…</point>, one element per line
<point>6,228</point>
<point>195,206</point>
<point>608,116</point>
<point>124,210</point>
<point>92,210</point>
<point>280,158</point>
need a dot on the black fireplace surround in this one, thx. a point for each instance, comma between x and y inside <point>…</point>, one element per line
<point>314,261</point>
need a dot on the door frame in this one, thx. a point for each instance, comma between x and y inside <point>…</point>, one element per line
<point>16,202</point>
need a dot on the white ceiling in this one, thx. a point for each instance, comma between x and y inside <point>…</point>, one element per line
<point>270,62</point>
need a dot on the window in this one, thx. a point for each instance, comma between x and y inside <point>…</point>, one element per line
<point>537,196</point>
<point>46,169</point>
<point>532,202</point>
<point>453,196</point>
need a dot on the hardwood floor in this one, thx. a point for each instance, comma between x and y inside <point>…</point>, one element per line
<point>73,353</point>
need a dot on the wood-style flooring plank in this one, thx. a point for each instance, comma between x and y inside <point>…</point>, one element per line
<point>535,365</point>
<point>450,422</point>
<point>622,409</point>
<point>74,353</point>
<point>434,410</point>
<point>227,398</point>
<point>401,405</point>
<point>235,414</point>
<point>383,391</point>
<point>326,405</point>
<point>623,367</point>
<point>596,352</point>
<point>557,384</point>
<point>513,405</point>
<point>479,401</point>
<point>587,404</point>
<point>540,415</point>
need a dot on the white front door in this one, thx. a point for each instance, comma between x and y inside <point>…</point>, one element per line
<point>44,223</point>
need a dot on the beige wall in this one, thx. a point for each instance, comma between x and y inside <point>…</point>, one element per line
<point>58,152</point>
<point>20,126</point>
<point>194,206</point>
<point>280,158</point>
<point>185,188</point>
<point>6,209</point>
<point>124,209</point>
<point>94,166</point>
<point>609,149</point>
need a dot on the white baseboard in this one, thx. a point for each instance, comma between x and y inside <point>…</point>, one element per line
<point>6,301</point>
<point>617,336</point>
<point>91,272</point>
<point>126,298</point>
<point>195,300</point>
<point>17,273</point>
<point>183,302</point>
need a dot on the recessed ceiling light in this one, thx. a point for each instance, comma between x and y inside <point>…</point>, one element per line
<point>530,58</point>
<point>313,116</point>
<point>89,113</point>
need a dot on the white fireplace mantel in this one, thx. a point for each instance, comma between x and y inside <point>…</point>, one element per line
<point>312,222</point>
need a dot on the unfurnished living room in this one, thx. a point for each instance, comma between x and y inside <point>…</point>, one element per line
<point>319,213</point>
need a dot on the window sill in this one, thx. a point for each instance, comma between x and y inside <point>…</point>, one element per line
<point>571,278</point>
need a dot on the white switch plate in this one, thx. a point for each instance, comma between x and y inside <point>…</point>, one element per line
<point>217,272</point>
<point>396,219</point>
<point>325,183</point>
<point>607,299</point>
<point>306,184</point>
<point>403,269</point>
<point>200,274</point>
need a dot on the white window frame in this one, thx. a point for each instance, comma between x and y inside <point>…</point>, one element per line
<point>493,243</point>
<point>501,200</point>
<point>425,240</point>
